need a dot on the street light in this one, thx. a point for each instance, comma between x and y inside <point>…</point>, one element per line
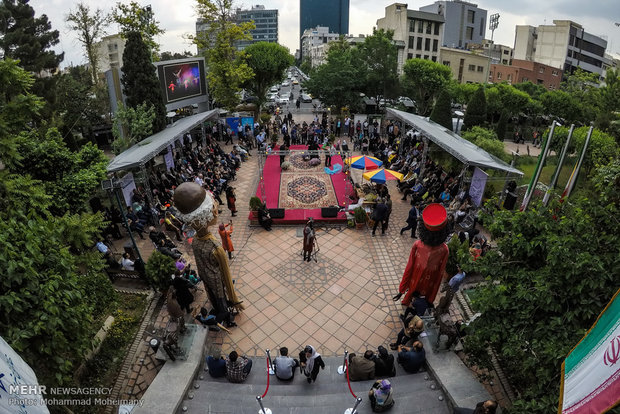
<point>493,23</point>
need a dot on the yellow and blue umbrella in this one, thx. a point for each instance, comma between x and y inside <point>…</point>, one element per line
<point>364,162</point>
<point>382,175</point>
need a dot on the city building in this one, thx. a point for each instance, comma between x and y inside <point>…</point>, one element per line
<point>110,51</point>
<point>266,21</point>
<point>526,70</point>
<point>466,66</point>
<point>465,22</point>
<point>420,31</point>
<point>333,14</point>
<point>500,54</point>
<point>313,44</point>
<point>564,45</point>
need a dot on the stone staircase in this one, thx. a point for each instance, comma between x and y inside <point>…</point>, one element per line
<point>413,393</point>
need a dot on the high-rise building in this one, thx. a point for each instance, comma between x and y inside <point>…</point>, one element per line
<point>564,45</point>
<point>464,22</point>
<point>421,31</point>
<point>333,14</point>
<point>266,22</point>
<point>110,51</point>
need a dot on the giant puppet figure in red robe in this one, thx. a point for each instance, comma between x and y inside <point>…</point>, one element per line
<point>427,260</point>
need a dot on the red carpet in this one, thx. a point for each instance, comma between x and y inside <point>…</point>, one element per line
<point>271,176</point>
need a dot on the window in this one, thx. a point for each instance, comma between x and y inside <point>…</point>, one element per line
<point>541,70</point>
<point>554,73</point>
<point>429,27</point>
<point>427,44</point>
<point>434,58</point>
<point>446,63</point>
<point>506,52</point>
<point>435,44</point>
<point>426,57</point>
<point>525,79</point>
<point>412,25</point>
<point>411,39</point>
<point>409,55</point>
<point>540,81</point>
<point>418,56</point>
<point>437,28</point>
<point>499,75</point>
<point>471,16</point>
<point>509,77</point>
<point>482,27</point>
<point>419,45</point>
<point>471,68</point>
<point>480,68</point>
<point>469,33</point>
<point>420,27</point>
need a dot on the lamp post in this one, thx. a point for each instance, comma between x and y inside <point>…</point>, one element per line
<point>493,23</point>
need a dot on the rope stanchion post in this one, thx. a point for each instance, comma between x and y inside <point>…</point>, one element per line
<point>353,410</point>
<point>264,410</point>
<point>343,368</point>
<point>270,366</point>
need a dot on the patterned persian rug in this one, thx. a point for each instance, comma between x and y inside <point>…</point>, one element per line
<point>306,190</point>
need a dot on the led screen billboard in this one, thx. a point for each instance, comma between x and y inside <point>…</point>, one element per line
<point>182,82</point>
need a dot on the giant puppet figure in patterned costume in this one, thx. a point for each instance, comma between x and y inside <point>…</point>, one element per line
<point>427,260</point>
<point>197,208</point>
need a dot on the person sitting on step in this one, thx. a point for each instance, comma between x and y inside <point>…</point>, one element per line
<point>362,368</point>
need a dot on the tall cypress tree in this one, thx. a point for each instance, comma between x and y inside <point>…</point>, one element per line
<point>442,111</point>
<point>140,81</point>
<point>27,38</point>
<point>476,113</point>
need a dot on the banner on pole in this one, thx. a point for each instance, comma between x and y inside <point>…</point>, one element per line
<point>591,371</point>
<point>169,159</point>
<point>127,186</point>
<point>478,183</point>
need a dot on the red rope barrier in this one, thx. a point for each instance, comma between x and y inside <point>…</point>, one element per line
<point>346,365</point>
<point>266,389</point>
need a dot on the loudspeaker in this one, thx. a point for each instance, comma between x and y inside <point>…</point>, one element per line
<point>329,212</point>
<point>276,213</point>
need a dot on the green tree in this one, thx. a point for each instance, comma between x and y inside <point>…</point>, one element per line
<point>335,82</point>
<point>51,286</point>
<point>462,92</point>
<point>135,123</point>
<point>442,111</point>
<point>228,69</point>
<point>500,128</point>
<point>268,61</point>
<point>503,97</point>
<point>476,113</point>
<point>563,105</point>
<point>377,58</point>
<point>26,38</point>
<point>176,55</point>
<point>134,18</point>
<point>89,27</point>
<point>423,80</point>
<point>487,140</point>
<point>553,272</point>
<point>531,89</point>
<point>306,65</point>
<point>140,81</point>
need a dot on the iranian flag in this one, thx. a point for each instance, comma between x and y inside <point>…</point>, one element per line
<point>591,371</point>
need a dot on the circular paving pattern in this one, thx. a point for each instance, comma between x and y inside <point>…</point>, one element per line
<point>306,189</point>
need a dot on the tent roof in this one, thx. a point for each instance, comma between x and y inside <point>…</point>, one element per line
<point>458,147</point>
<point>148,148</point>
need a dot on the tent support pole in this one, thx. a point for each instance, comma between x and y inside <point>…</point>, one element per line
<point>424,156</point>
<point>147,185</point>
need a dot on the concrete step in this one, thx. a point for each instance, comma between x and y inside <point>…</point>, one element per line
<point>329,394</point>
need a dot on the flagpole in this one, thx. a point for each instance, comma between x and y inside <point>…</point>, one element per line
<point>556,175</point>
<point>571,183</point>
<point>538,170</point>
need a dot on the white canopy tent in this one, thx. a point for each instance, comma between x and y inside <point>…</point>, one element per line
<point>463,150</point>
<point>138,155</point>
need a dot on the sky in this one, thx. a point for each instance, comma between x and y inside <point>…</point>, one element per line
<point>178,17</point>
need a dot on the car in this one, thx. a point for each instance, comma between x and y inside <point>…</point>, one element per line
<point>274,88</point>
<point>295,82</point>
<point>282,100</point>
<point>306,98</point>
<point>272,97</point>
<point>286,83</point>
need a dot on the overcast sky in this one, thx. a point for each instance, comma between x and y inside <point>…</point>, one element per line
<point>177,17</point>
